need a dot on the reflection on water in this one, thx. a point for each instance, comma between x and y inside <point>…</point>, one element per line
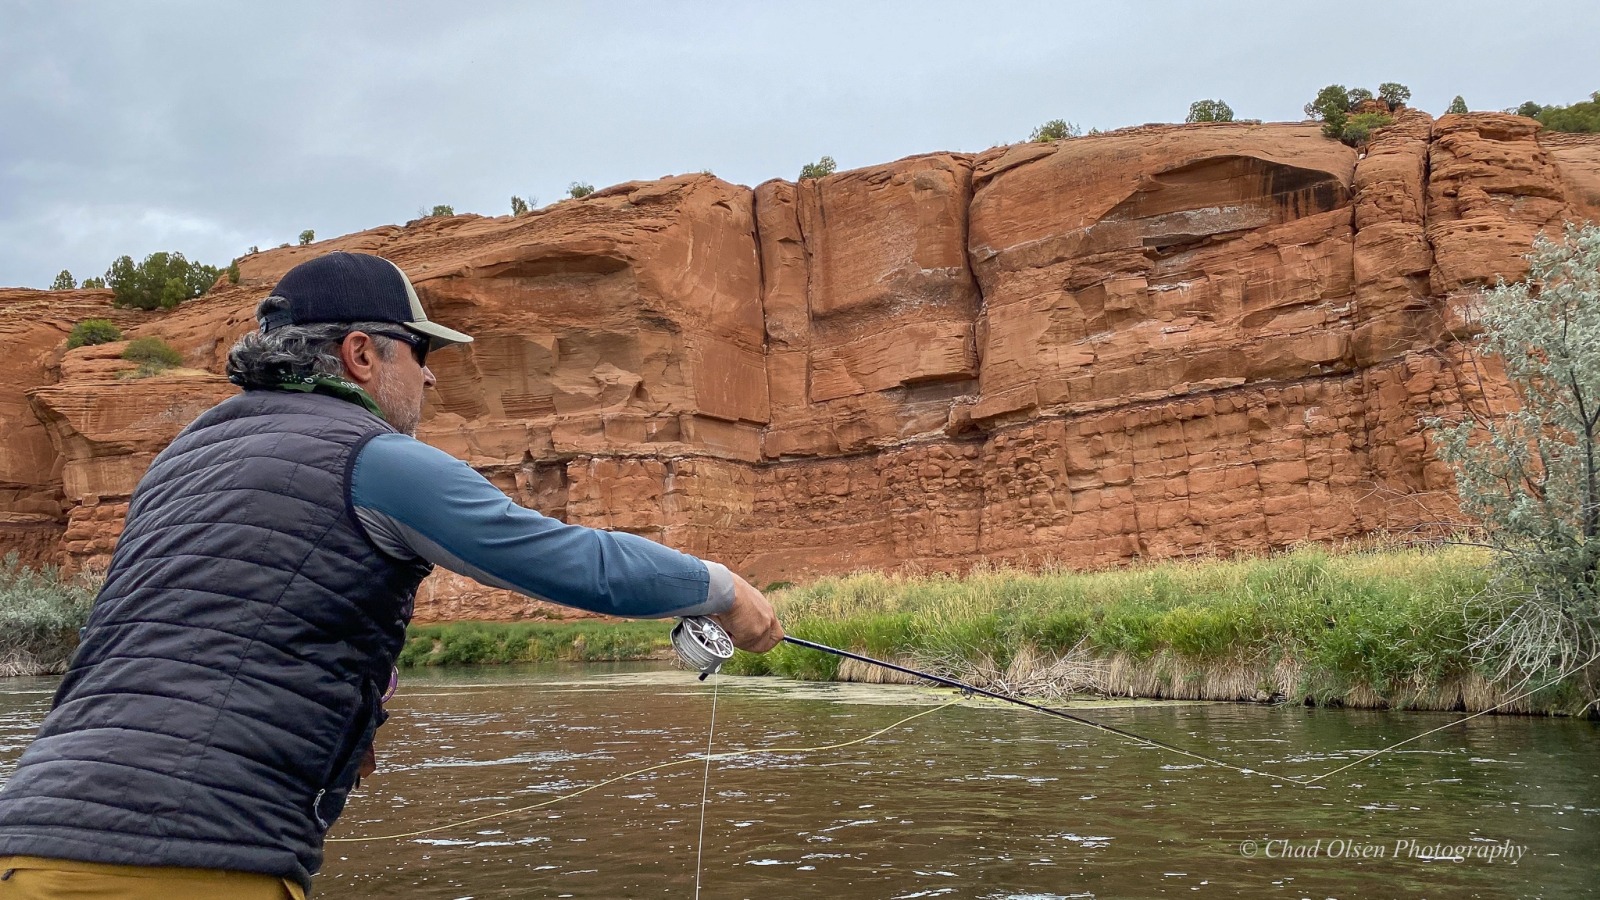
<point>980,800</point>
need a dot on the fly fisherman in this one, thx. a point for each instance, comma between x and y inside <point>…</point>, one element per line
<point>229,683</point>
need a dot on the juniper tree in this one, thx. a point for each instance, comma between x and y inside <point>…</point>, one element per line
<point>1053,130</point>
<point>1209,111</point>
<point>822,168</point>
<point>1394,93</point>
<point>1532,475</point>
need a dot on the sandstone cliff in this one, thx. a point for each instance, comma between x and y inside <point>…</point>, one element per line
<point>1154,342</point>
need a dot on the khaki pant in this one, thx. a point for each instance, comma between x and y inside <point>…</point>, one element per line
<point>34,878</point>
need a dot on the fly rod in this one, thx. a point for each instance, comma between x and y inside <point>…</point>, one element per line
<point>703,645</point>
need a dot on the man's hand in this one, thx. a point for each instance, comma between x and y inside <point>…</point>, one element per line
<point>369,763</point>
<point>751,623</point>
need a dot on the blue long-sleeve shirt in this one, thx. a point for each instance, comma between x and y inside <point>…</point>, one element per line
<point>418,501</point>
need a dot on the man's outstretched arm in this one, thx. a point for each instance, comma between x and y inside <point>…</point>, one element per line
<point>418,501</point>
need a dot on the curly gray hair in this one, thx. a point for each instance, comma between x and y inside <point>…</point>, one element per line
<point>288,352</point>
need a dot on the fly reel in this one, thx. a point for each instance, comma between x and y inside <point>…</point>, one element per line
<point>701,644</point>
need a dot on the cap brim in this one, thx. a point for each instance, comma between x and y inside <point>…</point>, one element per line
<point>439,336</point>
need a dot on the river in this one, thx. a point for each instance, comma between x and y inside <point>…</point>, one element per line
<point>977,800</point>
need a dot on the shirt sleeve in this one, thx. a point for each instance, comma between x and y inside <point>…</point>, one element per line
<point>418,501</point>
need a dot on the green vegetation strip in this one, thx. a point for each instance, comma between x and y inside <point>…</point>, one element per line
<point>1394,623</point>
<point>476,643</point>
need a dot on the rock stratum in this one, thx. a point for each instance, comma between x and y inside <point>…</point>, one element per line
<point>1164,341</point>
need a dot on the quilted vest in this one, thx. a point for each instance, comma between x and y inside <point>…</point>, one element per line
<point>229,679</point>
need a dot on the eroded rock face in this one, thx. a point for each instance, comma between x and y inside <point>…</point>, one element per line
<point>1157,342</point>
<point>1162,261</point>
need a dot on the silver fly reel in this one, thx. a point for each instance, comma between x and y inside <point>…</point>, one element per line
<point>701,644</point>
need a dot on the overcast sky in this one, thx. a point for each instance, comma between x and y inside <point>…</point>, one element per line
<point>206,127</point>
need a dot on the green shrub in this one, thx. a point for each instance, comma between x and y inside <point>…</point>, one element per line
<point>233,272</point>
<point>442,210</point>
<point>307,236</point>
<point>93,282</point>
<point>822,168</point>
<point>1209,111</point>
<point>93,331</point>
<point>519,206</point>
<point>579,189</point>
<point>152,354</point>
<point>1457,107</point>
<point>64,281</point>
<point>162,281</point>
<point>40,614</point>
<point>1358,128</point>
<point>1054,130</point>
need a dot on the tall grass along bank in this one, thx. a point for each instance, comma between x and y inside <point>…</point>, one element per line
<point>40,614</point>
<point>1383,628</point>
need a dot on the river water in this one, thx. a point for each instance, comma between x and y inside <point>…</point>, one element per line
<point>977,800</point>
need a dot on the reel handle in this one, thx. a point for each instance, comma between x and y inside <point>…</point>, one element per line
<point>702,644</point>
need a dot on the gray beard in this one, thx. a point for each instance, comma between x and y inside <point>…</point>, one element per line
<point>402,415</point>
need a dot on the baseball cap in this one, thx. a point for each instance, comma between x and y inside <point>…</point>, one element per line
<point>355,287</point>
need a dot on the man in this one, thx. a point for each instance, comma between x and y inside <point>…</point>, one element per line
<point>230,679</point>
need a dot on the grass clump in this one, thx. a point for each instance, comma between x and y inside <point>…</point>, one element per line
<point>474,643</point>
<point>40,614</point>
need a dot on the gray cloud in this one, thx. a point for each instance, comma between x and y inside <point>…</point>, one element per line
<point>205,128</point>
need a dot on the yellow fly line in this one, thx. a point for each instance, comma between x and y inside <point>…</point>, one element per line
<point>698,758</point>
<point>707,758</point>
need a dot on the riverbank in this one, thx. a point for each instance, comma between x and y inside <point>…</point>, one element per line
<point>1387,628</point>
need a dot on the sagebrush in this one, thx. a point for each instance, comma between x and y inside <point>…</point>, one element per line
<point>1531,475</point>
<point>41,612</point>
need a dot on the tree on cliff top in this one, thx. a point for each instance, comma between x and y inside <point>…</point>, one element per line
<point>1532,476</point>
<point>822,168</point>
<point>1209,111</point>
<point>64,281</point>
<point>1457,107</point>
<point>162,281</point>
<point>1332,107</point>
<point>1394,93</point>
<point>1582,118</point>
<point>1335,104</point>
<point>1054,130</point>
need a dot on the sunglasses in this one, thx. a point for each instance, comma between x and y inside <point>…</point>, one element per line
<point>417,343</point>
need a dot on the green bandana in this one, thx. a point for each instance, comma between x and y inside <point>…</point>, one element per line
<point>333,386</point>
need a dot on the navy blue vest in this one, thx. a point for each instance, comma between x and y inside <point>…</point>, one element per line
<point>228,681</point>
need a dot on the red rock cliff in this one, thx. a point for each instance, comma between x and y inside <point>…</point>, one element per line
<point>1155,342</point>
